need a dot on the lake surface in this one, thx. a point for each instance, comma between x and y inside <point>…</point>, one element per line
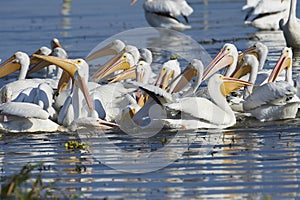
<point>252,160</point>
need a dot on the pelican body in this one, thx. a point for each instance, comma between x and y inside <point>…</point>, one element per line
<point>165,13</point>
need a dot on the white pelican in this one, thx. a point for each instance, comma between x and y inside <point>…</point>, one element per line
<point>227,57</point>
<point>250,66</point>
<point>275,100</point>
<point>249,69</point>
<point>20,61</point>
<point>267,13</point>
<point>291,27</point>
<point>164,13</point>
<point>78,70</point>
<point>78,107</point>
<point>200,113</point>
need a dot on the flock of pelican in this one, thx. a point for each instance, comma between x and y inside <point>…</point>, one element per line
<point>52,92</point>
<point>125,93</point>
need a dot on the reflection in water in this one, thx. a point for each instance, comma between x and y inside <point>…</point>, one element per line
<point>65,21</point>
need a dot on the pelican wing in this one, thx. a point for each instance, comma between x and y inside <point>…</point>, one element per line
<point>23,109</point>
<point>274,93</point>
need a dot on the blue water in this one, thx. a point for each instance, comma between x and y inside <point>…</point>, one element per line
<point>252,160</point>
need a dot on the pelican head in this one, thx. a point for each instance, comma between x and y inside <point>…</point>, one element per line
<point>19,61</point>
<point>170,70</point>
<point>112,48</point>
<point>55,43</point>
<point>41,51</point>
<point>120,62</point>
<point>284,62</point>
<point>260,51</point>
<point>77,70</point>
<point>250,63</point>
<point>194,69</point>
<point>227,57</point>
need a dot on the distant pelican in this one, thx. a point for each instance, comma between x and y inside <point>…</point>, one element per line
<point>267,13</point>
<point>291,28</point>
<point>275,100</point>
<point>164,13</point>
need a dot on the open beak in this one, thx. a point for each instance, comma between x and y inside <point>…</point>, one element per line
<point>222,59</point>
<point>284,62</point>
<point>127,74</point>
<point>118,62</point>
<point>229,84</point>
<point>183,79</point>
<point>133,2</point>
<point>105,51</point>
<point>70,66</point>
<point>9,66</point>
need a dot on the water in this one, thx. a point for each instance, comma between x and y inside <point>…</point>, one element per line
<point>251,160</point>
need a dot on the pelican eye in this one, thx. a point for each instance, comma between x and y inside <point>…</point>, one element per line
<point>287,51</point>
<point>124,57</point>
<point>78,61</point>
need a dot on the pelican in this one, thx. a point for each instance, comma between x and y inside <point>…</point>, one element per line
<point>266,14</point>
<point>164,13</point>
<point>227,57</point>
<point>200,113</point>
<point>291,28</point>
<point>275,100</point>
<point>249,66</point>
<point>20,61</point>
<point>78,70</point>
<point>74,111</point>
